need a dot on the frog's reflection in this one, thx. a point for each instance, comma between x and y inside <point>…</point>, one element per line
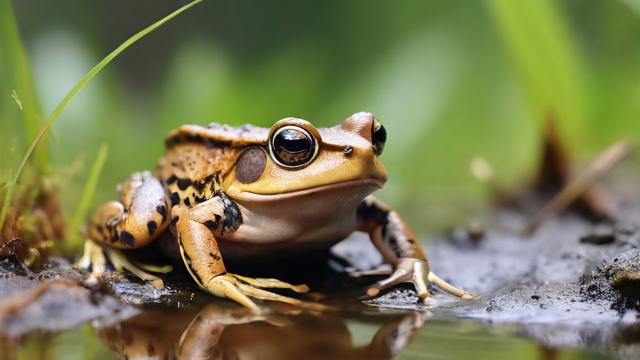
<point>223,331</point>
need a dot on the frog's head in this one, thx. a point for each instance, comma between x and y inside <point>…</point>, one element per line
<point>299,159</point>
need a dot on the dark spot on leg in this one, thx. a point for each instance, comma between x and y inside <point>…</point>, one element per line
<point>199,185</point>
<point>127,238</point>
<point>212,225</point>
<point>171,179</point>
<point>187,201</point>
<point>215,257</point>
<point>175,199</point>
<point>162,210</point>
<point>175,219</point>
<point>152,226</point>
<point>183,184</point>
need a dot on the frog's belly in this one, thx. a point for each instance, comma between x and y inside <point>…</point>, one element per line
<point>316,220</point>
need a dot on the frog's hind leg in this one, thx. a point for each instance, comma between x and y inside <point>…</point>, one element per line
<point>95,256</point>
<point>137,219</point>
<point>197,228</point>
<point>121,262</point>
<point>131,223</point>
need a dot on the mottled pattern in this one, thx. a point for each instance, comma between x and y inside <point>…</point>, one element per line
<point>396,235</point>
<point>137,219</point>
<point>192,173</point>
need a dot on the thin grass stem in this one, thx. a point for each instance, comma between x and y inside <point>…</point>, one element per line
<point>81,84</point>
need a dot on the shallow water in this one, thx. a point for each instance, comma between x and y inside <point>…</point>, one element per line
<point>530,305</point>
<point>226,331</point>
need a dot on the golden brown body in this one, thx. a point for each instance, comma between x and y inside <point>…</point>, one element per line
<point>223,190</point>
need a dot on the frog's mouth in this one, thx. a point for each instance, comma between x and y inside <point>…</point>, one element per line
<point>363,184</point>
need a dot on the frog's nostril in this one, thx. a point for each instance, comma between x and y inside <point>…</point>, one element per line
<point>368,127</point>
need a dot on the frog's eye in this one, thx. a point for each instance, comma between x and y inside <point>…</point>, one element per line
<point>292,147</point>
<point>378,137</point>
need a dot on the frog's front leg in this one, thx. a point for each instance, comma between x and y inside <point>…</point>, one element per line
<point>196,230</point>
<point>133,222</point>
<point>400,248</point>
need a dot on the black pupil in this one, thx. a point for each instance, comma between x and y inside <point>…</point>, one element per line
<point>293,147</point>
<point>292,141</point>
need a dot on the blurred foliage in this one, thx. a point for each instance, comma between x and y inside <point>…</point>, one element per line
<point>22,107</point>
<point>451,80</point>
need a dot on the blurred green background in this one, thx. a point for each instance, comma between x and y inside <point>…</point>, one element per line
<point>451,81</point>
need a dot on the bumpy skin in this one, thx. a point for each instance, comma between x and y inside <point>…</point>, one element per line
<point>137,219</point>
<point>228,187</point>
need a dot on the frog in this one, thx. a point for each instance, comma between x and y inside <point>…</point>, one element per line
<point>224,191</point>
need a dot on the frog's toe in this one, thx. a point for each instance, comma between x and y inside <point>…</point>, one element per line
<point>121,262</point>
<point>227,286</point>
<point>273,283</point>
<point>92,260</point>
<point>416,272</point>
<point>242,288</point>
<point>397,277</point>
<point>383,269</point>
<point>439,282</point>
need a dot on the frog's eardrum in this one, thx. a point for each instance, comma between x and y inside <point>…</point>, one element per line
<point>250,165</point>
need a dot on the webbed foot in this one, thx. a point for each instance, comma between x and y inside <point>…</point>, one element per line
<point>95,258</point>
<point>241,289</point>
<point>416,271</point>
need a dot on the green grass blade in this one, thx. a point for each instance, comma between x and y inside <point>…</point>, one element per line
<point>6,201</point>
<point>81,84</point>
<point>80,212</point>
<point>545,57</point>
<point>18,73</point>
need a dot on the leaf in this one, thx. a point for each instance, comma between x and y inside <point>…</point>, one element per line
<point>544,57</point>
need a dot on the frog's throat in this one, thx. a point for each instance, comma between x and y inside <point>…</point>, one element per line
<point>247,196</point>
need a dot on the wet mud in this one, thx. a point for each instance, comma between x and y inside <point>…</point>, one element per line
<point>573,284</point>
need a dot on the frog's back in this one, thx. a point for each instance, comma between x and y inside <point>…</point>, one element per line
<point>198,158</point>
<point>217,135</point>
